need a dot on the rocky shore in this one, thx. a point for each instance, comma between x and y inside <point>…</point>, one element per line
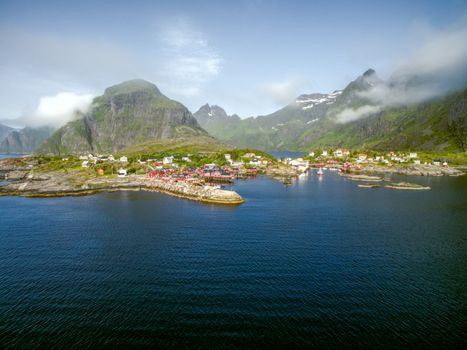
<point>362,177</point>
<point>406,186</point>
<point>397,186</point>
<point>411,170</point>
<point>283,174</point>
<point>57,184</point>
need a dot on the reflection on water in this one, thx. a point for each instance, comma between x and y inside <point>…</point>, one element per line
<point>318,263</point>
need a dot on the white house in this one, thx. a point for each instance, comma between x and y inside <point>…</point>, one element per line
<point>255,161</point>
<point>362,157</point>
<point>412,155</point>
<point>121,172</point>
<point>168,160</point>
<point>83,157</point>
<point>228,158</point>
<point>416,161</point>
<point>85,164</point>
<point>324,154</point>
<point>300,164</point>
<point>186,159</point>
<point>338,153</point>
<point>209,167</point>
<point>311,154</point>
<point>123,159</point>
<point>111,158</point>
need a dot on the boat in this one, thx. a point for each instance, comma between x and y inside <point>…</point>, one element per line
<point>320,172</point>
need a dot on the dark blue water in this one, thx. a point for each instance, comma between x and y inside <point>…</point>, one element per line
<point>318,264</point>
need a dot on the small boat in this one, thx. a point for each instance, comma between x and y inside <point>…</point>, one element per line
<point>320,172</point>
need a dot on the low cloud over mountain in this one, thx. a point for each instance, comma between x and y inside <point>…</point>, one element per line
<point>434,69</point>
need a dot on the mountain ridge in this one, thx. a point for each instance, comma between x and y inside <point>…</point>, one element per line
<point>315,120</point>
<point>127,114</point>
<point>25,140</point>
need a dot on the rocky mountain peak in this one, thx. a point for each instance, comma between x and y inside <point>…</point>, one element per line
<point>131,113</point>
<point>369,72</point>
<point>132,86</point>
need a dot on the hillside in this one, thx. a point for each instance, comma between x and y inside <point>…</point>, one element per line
<point>26,140</point>
<point>128,114</point>
<point>278,130</point>
<point>4,131</point>
<point>440,124</point>
<point>314,120</point>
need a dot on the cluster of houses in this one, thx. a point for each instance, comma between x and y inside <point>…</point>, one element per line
<point>92,159</point>
<point>298,164</point>
<point>206,173</point>
<point>169,167</point>
<point>89,159</point>
<point>387,158</point>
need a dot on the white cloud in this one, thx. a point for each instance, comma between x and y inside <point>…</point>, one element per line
<point>56,110</point>
<point>351,114</point>
<point>59,57</point>
<point>188,60</point>
<point>434,68</point>
<point>179,59</point>
<point>283,92</point>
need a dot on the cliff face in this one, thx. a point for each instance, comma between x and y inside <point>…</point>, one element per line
<point>26,140</point>
<point>130,113</point>
<point>4,131</point>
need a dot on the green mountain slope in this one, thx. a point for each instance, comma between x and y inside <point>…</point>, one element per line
<point>440,124</point>
<point>278,130</point>
<point>316,121</point>
<point>128,114</point>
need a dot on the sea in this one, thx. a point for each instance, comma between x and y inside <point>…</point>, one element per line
<point>321,263</point>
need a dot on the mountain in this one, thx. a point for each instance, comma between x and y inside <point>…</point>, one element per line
<point>4,131</point>
<point>213,117</point>
<point>322,120</point>
<point>128,114</point>
<point>269,132</point>
<point>438,124</point>
<point>26,140</point>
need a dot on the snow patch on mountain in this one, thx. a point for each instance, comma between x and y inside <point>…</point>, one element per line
<point>310,101</point>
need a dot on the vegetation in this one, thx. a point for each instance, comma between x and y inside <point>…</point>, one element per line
<point>439,124</point>
<point>128,114</point>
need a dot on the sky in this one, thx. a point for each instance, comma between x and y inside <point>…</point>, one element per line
<point>249,57</point>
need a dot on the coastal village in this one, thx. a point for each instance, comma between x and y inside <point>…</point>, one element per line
<point>181,168</point>
<point>249,164</point>
<point>204,176</point>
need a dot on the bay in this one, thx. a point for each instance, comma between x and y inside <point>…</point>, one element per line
<point>321,263</point>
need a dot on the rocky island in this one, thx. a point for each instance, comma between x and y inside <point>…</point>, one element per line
<point>28,182</point>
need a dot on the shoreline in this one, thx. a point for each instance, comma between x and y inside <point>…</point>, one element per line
<point>411,170</point>
<point>52,187</point>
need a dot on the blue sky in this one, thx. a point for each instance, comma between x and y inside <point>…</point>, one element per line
<point>250,57</point>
